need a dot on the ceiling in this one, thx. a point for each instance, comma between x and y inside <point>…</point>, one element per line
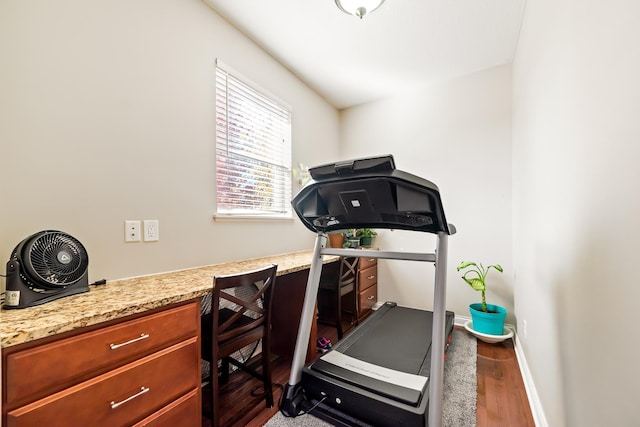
<point>405,44</point>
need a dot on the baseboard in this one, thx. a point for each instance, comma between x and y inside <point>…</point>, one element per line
<point>534,401</point>
<point>460,320</point>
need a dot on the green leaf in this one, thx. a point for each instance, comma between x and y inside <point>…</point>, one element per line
<point>465,264</point>
<point>476,284</point>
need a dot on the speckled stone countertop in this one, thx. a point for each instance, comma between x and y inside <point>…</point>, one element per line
<point>124,297</point>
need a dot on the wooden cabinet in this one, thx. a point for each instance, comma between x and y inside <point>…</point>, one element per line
<point>367,286</point>
<point>143,371</point>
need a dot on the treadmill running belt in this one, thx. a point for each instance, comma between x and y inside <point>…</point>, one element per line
<point>400,340</point>
<point>394,338</point>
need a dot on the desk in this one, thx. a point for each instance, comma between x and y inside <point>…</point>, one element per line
<point>121,298</point>
<point>67,340</point>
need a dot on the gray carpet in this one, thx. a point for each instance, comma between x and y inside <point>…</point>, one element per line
<point>459,406</point>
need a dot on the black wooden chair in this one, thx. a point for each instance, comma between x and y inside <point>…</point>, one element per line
<point>240,316</point>
<point>334,289</point>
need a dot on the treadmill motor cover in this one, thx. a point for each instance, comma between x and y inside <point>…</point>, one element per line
<point>369,193</point>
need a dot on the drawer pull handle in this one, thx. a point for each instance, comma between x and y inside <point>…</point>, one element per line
<point>371,259</point>
<point>371,277</point>
<point>370,297</point>
<point>142,391</point>
<point>141,337</point>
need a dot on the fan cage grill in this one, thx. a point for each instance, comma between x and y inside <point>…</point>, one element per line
<point>55,258</point>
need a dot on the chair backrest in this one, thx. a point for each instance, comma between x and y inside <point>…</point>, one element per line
<point>245,298</point>
<point>348,271</point>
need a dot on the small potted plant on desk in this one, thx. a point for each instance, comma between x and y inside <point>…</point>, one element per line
<point>486,318</point>
<point>366,236</point>
<point>350,239</point>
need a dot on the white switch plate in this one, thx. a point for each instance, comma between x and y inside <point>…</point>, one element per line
<point>132,231</point>
<point>151,230</point>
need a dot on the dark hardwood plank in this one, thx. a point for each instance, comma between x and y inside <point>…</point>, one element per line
<point>501,399</point>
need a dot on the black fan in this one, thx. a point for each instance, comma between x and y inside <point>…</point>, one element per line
<point>44,267</point>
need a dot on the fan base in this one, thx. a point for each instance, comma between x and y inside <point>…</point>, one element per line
<point>19,295</point>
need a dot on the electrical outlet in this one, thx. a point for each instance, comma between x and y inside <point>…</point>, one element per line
<point>132,231</point>
<point>151,230</point>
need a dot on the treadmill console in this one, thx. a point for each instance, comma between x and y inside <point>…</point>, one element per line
<point>369,193</point>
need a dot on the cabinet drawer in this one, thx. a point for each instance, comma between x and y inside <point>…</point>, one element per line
<point>36,372</point>
<point>367,262</point>
<point>366,300</point>
<point>184,412</point>
<point>120,397</point>
<point>367,277</point>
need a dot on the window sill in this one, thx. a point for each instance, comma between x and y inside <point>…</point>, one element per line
<point>244,218</point>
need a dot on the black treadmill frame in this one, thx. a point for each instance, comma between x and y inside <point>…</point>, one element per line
<point>322,216</point>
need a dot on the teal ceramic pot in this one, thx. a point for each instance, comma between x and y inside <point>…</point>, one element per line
<point>492,322</point>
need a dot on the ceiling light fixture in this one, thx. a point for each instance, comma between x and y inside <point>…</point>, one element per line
<point>358,8</point>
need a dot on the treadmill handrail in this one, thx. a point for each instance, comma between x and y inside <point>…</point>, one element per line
<point>368,253</point>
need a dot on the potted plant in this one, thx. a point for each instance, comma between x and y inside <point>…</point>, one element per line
<point>351,240</point>
<point>486,318</point>
<point>366,236</point>
<point>336,240</point>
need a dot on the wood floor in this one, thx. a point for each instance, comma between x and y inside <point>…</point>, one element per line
<point>501,400</point>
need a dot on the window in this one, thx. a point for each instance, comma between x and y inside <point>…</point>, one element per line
<point>253,149</point>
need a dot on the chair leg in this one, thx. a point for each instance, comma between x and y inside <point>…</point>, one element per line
<point>266,371</point>
<point>354,308</point>
<point>339,314</point>
<point>224,371</point>
<point>215,385</point>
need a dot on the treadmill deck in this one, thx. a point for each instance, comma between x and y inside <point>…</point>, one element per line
<point>382,364</point>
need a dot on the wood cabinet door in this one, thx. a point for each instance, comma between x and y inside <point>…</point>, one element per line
<point>120,397</point>
<point>366,301</point>
<point>367,262</point>
<point>367,277</point>
<point>184,412</point>
<point>39,371</point>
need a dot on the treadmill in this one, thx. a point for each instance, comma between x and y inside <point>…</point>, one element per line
<point>382,372</point>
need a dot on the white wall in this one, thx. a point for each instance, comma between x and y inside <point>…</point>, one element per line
<point>577,207</point>
<point>458,135</point>
<point>107,114</point>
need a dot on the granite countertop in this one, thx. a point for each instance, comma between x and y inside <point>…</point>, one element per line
<point>119,298</point>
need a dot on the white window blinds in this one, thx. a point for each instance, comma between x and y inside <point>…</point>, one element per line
<point>253,149</point>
